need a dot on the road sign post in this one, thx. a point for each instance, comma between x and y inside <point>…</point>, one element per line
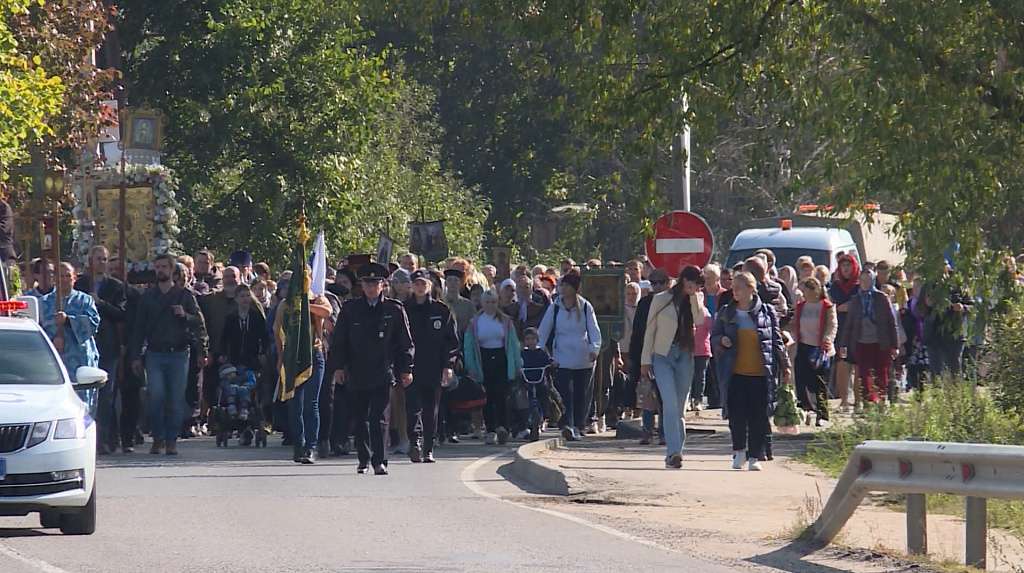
<point>680,239</point>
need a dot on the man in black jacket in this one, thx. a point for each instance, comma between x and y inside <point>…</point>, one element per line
<point>167,321</point>
<point>659,283</point>
<point>437,348</point>
<point>371,347</point>
<point>111,299</point>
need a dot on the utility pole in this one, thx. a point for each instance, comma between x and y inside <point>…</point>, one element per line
<point>681,166</point>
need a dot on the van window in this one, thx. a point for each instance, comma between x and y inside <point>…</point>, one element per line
<point>783,257</point>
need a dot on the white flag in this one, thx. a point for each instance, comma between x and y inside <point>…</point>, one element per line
<point>319,266</point>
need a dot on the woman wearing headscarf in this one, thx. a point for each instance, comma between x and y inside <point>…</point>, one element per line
<point>843,288</point>
<point>788,278</point>
<point>668,353</point>
<point>870,335</point>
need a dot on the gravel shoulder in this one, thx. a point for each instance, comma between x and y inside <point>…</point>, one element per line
<point>746,519</point>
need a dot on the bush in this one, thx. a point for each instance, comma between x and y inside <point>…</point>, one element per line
<point>948,411</point>
<point>1004,360</point>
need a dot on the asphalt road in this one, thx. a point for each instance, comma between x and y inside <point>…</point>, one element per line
<point>250,510</point>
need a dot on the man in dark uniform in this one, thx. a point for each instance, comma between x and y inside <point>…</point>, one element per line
<point>371,347</point>
<point>111,299</point>
<point>437,349</point>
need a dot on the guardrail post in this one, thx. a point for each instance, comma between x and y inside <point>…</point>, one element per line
<point>917,524</point>
<point>976,532</point>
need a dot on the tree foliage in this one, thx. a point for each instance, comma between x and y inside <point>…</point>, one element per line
<point>276,105</point>
<point>29,95</point>
<point>65,35</point>
<point>914,105</point>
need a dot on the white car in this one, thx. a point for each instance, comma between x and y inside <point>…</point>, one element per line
<point>47,435</point>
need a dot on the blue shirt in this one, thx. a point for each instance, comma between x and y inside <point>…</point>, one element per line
<point>79,331</point>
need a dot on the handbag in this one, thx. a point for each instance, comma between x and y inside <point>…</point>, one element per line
<point>646,396</point>
<point>519,397</point>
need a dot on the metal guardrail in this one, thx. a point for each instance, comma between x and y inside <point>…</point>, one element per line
<point>975,471</point>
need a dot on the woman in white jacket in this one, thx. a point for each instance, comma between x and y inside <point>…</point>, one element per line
<point>668,354</point>
<point>569,330</point>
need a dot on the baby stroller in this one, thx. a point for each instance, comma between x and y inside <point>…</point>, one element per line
<point>238,410</point>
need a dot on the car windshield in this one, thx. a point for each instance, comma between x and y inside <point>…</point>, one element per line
<point>783,257</point>
<point>25,358</point>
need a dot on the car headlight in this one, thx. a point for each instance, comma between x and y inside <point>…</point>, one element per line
<point>40,431</point>
<point>70,429</point>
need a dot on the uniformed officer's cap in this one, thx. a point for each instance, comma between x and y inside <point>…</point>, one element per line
<point>421,274</point>
<point>454,273</point>
<point>373,272</point>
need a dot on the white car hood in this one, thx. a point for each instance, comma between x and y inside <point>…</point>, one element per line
<point>24,403</point>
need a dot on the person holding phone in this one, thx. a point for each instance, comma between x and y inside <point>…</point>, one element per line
<point>668,353</point>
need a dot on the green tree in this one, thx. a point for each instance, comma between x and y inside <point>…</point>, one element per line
<point>276,104</point>
<point>29,96</point>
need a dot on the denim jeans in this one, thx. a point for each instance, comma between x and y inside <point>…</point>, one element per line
<point>700,376</point>
<point>304,407</point>
<point>577,390</point>
<point>166,378</point>
<point>674,375</point>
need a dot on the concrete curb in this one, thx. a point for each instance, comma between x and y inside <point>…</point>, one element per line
<point>529,466</point>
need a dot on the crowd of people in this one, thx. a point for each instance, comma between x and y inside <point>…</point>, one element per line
<point>407,357</point>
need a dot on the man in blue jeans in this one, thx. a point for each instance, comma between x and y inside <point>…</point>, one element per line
<point>167,322</point>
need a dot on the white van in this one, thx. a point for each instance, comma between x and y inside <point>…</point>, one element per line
<point>790,243</point>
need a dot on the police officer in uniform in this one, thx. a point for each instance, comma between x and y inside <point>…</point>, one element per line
<point>437,348</point>
<point>371,347</point>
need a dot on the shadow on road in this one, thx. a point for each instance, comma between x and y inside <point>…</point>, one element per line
<point>792,558</point>
<point>203,451</point>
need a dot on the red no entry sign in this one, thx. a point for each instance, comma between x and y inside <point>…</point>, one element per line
<point>680,238</point>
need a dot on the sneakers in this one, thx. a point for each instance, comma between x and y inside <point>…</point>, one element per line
<point>754,465</point>
<point>491,439</point>
<point>362,469</point>
<point>591,429</point>
<point>674,462</point>
<point>502,435</point>
<point>380,470</point>
<point>567,434</point>
<point>821,423</point>
<point>737,459</point>
<point>534,434</point>
<point>158,446</point>
<point>308,457</point>
<point>428,458</point>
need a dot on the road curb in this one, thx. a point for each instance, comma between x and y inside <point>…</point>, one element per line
<point>529,466</point>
